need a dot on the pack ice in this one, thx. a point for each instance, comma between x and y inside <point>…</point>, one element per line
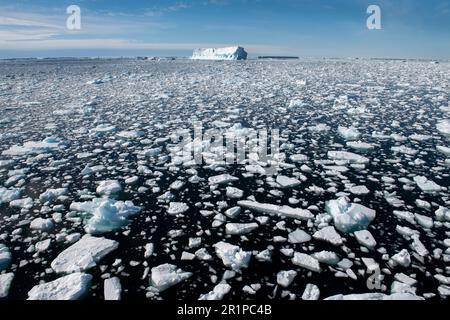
<point>349,217</point>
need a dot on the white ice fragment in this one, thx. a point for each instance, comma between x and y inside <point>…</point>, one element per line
<point>177,208</point>
<point>42,224</point>
<point>234,193</point>
<point>347,156</point>
<point>112,289</point>
<point>426,185</point>
<point>5,284</point>
<point>349,133</point>
<point>298,236</point>
<point>424,221</point>
<point>226,53</point>
<point>443,127</point>
<point>232,256</point>
<point>109,187</point>
<point>71,287</point>
<point>222,179</point>
<point>83,255</point>
<point>105,215</point>
<point>281,211</point>
<point>402,258</point>
<point>312,292</point>
<point>375,296</point>
<point>148,250</point>
<point>359,190</point>
<point>34,147</point>
<point>217,294</point>
<point>287,182</point>
<point>306,261</point>
<point>233,212</point>
<point>167,275</point>
<point>240,228</point>
<point>349,217</point>
<point>5,257</point>
<point>365,238</point>
<point>52,194</point>
<point>329,235</point>
<point>8,195</point>
<point>285,278</point>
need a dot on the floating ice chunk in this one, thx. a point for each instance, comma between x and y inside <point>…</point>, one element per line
<point>233,212</point>
<point>349,133</point>
<point>151,153</point>
<point>43,245</point>
<point>405,215</point>
<point>105,215</point>
<point>299,158</point>
<point>167,275</point>
<point>217,294</point>
<point>375,296</point>
<point>298,236</point>
<point>443,127</point>
<point>319,128</point>
<point>148,250</point>
<point>296,103</point>
<point>240,228</point>
<point>34,147</point>
<point>226,53</point>
<point>177,208</point>
<point>234,193</point>
<point>362,146</point>
<point>71,287</point>
<point>327,257</point>
<point>232,256</point>
<point>442,214</point>
<point>222,179</point>
<point>285,278</point>
<point>312,292</point>
<point>329,235</point>
<point>8,195</point>
<point>402,258</point>
<point>444,150</point>
<point>52,194</point>
<point>426,185</point>
<point>42,224</point>
<point>424,221</point>
<point>5,257</point>
<point>349,217</point>
<point>359,190</point>
<point>5,284</point>
<point>347,156</point>
<point>287,182</point>
<point>103,129</point>
<point>112,289</point>
<point>281,211</point>
<point>109,187</point>
<point>25,203</point>
<point>306,261</point>
<point>365,238</point>
<point>83,255</point>
<point>130,134</point>
<point>418,246</point>
<point>404,150</point>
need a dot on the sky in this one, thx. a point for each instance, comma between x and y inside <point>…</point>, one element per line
<point>305,28</point>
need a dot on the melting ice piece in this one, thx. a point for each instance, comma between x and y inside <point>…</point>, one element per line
<point>312,292</point>
<point>105,215</point>
<point>347,156</point>
<point>227,53</point>
<point>8,195</point>
<point>177,208</point>
<point>167,275</point>
<point>5,284</point>
<point>240,228</point>
<point>50,195</point>
<point>285,278</point>
<point>232,256</point>
<point>281,211</point>
<point>329,235</point>
<point>349,217</point>
<point>34,147</point>
<point>365,238</point>
<point>83,255</point>
<point>287,182</point>
<point>298,236</point>
<point>306,261</point>
<point>217,293</point>
<point>443,127</point>
<point>222,179</point>
<point>112,289</point>
<point>426,185</point>
<point>349,133</point>
<point>109,187</point>
<point>42,224</point>
<point>72,287</point>
<point>5,257</point>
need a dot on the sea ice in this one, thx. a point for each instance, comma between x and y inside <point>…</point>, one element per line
<point>306,261</point>
<point>232,256</point>
<point>328,234</point>
<point>5,257</point>
<point>5,284</point>
<point>226,53</point>
<point>281,211</point>
<point>109,187</point>
<point>83,255</point>
<point>240,228</point>
<point>347,156</point>
<point>349,217</point>
<point>285,278</point>
<point>71,287</point>
<point>217,294</point>
<point>426,185</point>
<point>112,289</point>
<point>167,275</point>
<point>298,236</point>
<point>365,238</point>
<point>8,195</point>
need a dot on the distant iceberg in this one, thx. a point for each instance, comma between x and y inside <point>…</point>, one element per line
<point>228,53</point>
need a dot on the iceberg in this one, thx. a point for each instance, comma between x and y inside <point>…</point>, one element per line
<point>105,215</point>
<point>83,255</point>
<point>227,53</point>
<point>349,217</point>
<point>72,287</point>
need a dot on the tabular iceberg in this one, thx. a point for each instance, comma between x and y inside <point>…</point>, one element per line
<point>228,53</point>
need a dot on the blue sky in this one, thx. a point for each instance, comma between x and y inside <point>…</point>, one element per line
<point>310,28</point>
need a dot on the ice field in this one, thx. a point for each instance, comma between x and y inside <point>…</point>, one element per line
<point>98,202</point>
